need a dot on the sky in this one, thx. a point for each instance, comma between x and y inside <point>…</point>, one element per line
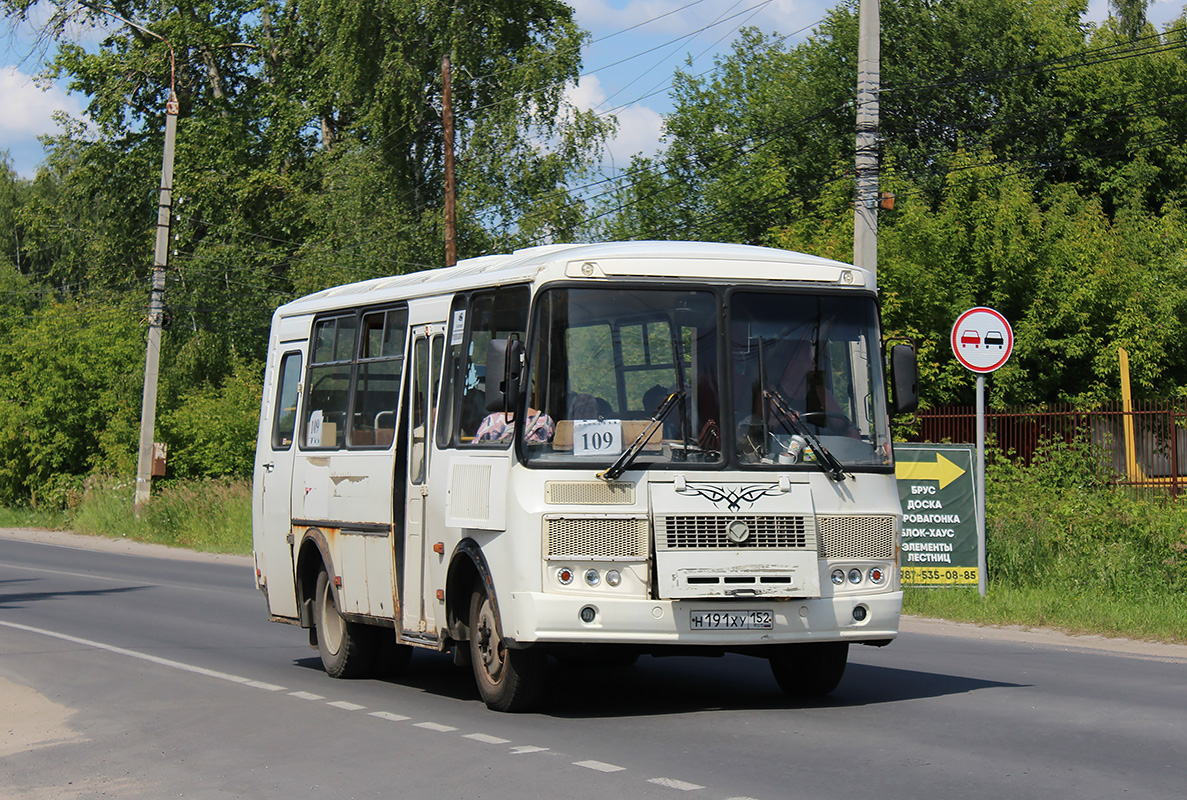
<point>635,47</point>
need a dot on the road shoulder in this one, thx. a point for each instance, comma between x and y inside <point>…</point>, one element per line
<point>108,544</point>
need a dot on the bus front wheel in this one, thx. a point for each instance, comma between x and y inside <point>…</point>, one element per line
<point>810,670</point>
<point>508,679</point>
<point>347,649</point>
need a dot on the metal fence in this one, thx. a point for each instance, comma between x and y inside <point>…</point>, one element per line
<point>1159,436</point>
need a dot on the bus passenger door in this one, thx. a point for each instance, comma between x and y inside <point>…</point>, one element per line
<point>274,474</point>
<point>427,347</point>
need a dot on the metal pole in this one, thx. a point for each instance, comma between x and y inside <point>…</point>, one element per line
<point>982,577</point>
<point>865,207</point>
<point>450,191</point>
<point>156,310</point>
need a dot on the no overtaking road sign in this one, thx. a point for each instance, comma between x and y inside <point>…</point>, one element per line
<point>982,339</point>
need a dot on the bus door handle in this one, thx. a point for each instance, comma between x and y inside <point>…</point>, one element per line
<point>269,466</point>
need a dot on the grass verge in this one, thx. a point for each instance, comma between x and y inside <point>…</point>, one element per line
<point>1162,620</point>
<point>210,516</point>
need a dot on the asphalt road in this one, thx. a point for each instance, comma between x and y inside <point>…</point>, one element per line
<point>129,672</point>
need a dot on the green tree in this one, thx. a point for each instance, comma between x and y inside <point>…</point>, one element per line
<point>69,395</point>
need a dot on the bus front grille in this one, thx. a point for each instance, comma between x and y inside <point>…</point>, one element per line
<point>700,532</point>
<point>856,537</point>
<point>595,538</point>
<point>602,493</point>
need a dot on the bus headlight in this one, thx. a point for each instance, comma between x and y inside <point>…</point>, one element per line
<point>838,577</point>
<point>592,577</point>
<point>855,576</point>
<point>613,577</point>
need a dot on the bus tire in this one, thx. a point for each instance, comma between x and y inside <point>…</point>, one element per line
<point>347,649</point>
<point>508,679</point>
<point>810,670</point>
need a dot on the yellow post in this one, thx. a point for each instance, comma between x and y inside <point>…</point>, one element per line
<point>1131,455</point>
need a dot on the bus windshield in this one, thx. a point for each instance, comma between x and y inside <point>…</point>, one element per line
<point>669,371</point>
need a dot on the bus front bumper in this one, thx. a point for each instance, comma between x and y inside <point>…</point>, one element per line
<point>538,617</point>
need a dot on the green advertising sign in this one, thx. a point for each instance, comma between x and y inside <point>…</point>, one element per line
<point>938,493</point>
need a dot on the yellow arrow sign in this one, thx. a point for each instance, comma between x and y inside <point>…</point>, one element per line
<point>941,470</point>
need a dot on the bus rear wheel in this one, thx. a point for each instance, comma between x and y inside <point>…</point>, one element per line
<point>347,649</point>
<point>810,670</point>
<point>508,679</point>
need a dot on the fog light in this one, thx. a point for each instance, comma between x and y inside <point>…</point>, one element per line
<point>859,613</point>
<point>838,577</point>
<point>592,577</point>
<point>589,614</point>
<point>564,575</point>
<point>613,577</point>
<point>877,575</point>
<point>855,575</point>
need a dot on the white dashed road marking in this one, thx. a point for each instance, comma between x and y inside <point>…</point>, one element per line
<point>524,749</point>
<point>600,766</point>
<point>435,726</point>
<point>672,783</point>
<point>345,706</point>
<point>271,687</point>
<point>487,738</point>
<point>389,716</point>
<point>307,696</point>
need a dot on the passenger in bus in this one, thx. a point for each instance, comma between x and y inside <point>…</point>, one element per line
<point>496,427</point>
<point>582,406</point>
<point>653,398</point>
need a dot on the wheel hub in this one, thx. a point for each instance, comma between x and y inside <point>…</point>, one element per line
<point>490,646</point>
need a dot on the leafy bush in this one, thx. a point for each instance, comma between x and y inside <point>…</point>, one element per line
<point>1057,524</point>
<point>212,433</point>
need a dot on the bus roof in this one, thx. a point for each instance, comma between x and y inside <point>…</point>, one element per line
<point>613,259</point>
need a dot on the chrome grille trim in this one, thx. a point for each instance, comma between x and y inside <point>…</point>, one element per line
<point>856,537</point>
<point>709,531</point>
<point>595,538</point>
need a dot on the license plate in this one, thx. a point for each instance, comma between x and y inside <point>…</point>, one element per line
<point>731,620</point>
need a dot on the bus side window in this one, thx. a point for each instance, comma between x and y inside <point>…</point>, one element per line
<point>284,412</point>
<point>377,379</point>
<point>328,399</point>
<point>490,314</point>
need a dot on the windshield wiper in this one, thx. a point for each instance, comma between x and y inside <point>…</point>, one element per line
<point>791,420</point>
<point>631,453</point>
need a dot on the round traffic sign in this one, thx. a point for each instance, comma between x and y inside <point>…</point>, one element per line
<point>982,339</point>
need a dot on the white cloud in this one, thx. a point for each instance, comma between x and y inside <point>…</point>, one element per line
<point>28,109</point>
<point>639,127</point>
<point>639,131</point>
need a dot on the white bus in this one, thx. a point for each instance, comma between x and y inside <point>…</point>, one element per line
<point>585,451</point>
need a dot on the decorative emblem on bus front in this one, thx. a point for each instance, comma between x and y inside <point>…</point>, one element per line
<point>733,498</point>
<point>737,531</point>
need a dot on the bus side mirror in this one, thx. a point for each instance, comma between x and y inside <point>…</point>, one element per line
<point>504,370</point>
<point>904,379</point>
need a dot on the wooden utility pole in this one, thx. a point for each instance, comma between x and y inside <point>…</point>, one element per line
<point>156,311</point>
<point>865,207</point>
<point>450,192</point>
